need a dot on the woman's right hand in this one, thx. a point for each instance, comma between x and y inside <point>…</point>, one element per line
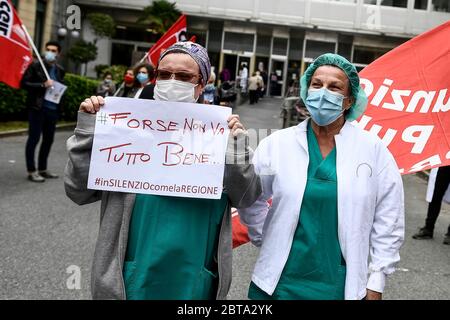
<point>92,104</point>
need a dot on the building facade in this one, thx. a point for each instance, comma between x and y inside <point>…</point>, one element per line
<point>41,18</point>
<point>281,36</point>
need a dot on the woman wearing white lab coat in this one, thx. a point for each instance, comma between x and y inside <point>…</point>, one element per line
<point>337,220</point>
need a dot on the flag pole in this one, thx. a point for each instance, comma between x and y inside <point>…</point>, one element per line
<point>36,52</point>
<point>135,65</point>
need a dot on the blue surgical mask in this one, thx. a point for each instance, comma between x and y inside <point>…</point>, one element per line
<point>324,106</point>
<point>142,77</point>
<point>50,56</point>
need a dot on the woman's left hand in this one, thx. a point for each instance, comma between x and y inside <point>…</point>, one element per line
<point>235,125</point>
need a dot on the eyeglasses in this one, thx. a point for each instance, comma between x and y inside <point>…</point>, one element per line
<point>181,76</point>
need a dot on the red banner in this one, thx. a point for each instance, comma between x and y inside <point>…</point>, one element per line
<point>409,100</point>
<point>173,35</point>
<point>15,52</point>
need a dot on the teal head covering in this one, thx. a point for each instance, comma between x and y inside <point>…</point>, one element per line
<point>359,106</point>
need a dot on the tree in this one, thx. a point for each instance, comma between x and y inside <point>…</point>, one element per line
<point>159,16</point>
<point>83,52</point>
<point>102,24</point>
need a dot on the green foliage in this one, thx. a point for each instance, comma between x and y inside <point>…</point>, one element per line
<point>159,16</point>
<point>117,72</point>
<point>78,89</point>
<point>102,24</point>
<point>83,52</point>
<point>100,70</point>
<point>12,103</point>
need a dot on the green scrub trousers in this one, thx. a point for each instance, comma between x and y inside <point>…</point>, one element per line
<point>172,248</point>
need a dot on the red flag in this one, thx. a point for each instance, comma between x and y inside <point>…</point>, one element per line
<point>173,35</point>
<point>239,231</point>
<point>409,100</point>
<point>15,52</point>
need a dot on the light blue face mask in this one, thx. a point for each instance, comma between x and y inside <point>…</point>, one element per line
<point>142,77</point>
<point>324,106</point>
<point>50,56</point>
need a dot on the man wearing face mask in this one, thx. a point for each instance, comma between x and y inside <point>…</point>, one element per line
<point>159,247</point>
<point>42,114</point>
<point>337,219</point>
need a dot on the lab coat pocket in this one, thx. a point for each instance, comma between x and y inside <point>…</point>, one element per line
<point>205,287</point>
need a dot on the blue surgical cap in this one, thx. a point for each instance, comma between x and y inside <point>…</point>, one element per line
<point>330,59</point>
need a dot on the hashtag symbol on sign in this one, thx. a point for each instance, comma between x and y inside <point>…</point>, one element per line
<point>102,118</point>
<point>97,181</point>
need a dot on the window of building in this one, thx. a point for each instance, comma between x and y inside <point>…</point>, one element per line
<point>420,4</point>
<point>390,3</point>
<point>238,41</point>
<point>295,48</point>
<point>39,24</point>
<point>366,55</point>
<point>263,45</point>
<point>200,36</point>
<point>138,34</point>
<point>280,46</point>
<point>316,48</point>
<point>440,5</point>
<point>345,46</point>
<point>121,54</point>
<point>215,36</point>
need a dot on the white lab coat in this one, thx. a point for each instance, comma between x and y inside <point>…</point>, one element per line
<point>370,206</point>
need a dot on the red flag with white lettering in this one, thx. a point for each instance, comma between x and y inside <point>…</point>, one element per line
<point>15,51</point>
<point>409,101</point>
<point>177,32</point>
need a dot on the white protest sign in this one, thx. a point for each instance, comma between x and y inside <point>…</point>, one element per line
<point>161,148</point>
<point>55,93</point>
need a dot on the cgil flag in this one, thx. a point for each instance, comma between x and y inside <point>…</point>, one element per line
<point>177,32</point>
<point>409,100</point>
<point>15,51</point>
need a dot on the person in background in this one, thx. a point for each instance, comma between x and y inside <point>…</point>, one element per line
<point>264,77</point>
<point>243,77</point>
<point>107,87</point>
<point>42,114</point>
<point>143,76</point>
<point>210,92</point>
<point>438,187</point>
<point>160,247</point>
<point>254,86</point>
<point>336,224</point>
<point>225,75</point>
<point>129,87</point>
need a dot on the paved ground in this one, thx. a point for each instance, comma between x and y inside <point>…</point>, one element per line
<point>42,232</point>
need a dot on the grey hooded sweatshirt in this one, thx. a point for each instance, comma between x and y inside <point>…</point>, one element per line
<point>241,184</point>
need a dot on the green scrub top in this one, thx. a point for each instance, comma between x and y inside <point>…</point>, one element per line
<point>172,247</point>
<point>315,269</point>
